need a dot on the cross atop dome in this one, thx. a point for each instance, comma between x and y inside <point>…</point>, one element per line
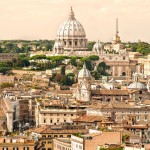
<point>71,15</point>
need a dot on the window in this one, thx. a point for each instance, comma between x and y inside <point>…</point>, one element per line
<point>68,135</point>
<point>124,58</point>
<point>5,148</point>
<point>138,118</point>
<point>55,136</point>
<point>71,114</point>
<point>51,121</point>
<point>49,142</point>
<point>43,136</point>
<point>140,92</point>
<point>49,149</point>
<point>26,148</point>
<point>64,114</point>
<point>44,142</point>
<point>60,135</point>
<point>145,118</point>
<point>44,120</point>
<point>123,116</point>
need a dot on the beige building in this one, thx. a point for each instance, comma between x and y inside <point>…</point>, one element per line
<point>46,134</point>
<point>135,55</point>
<point>6,79</point>
<point>61,143</point>
<point>55,113</point>
<point>145,61</point>
<point>5,57</point>
<point>6,116</point>
<point>92,141</point>
<point>16,143</point>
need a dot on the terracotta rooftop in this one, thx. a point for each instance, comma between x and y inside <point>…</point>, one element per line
<point>86,118</point>
<point>141,126</point>
<point>111,105</point>
<point>146,102</point>
<point>64,92</point>
<point>110,92</point>
<point>48,130</point>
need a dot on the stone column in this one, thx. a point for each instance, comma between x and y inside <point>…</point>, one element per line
<point>78,43</point>
<point>113,70</point>
<point>119,70</point>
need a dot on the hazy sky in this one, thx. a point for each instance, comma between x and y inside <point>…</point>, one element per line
<point>40,19</point>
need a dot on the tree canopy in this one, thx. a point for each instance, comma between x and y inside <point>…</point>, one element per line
<point>142,47</point>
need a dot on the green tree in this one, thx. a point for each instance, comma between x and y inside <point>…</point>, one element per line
<point>102,68</point>
<point>6,85</point>
<point>90,45</point>
<point>141,47</point>
<point>63,68</point>
<point>93,57</point>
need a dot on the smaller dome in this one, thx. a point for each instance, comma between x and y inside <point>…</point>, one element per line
<point>98,46</point>
<point>136,85</point>
<point>84,72</point>
<point>58,44</point>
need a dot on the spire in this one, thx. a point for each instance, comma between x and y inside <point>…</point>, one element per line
<point>71,15</point>
<point>117,27</point>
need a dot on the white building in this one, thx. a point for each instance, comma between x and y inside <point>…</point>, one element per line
<point>146,64</point>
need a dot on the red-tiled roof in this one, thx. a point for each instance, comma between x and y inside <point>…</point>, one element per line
<point>88,119</point>
<point>110,92</point>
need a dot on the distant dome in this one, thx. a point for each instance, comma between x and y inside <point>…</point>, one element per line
<point>98,46</point>
<point>136,85</point>
<point>58,44</point>
<point>71,28</point>
<point>72,35</point>
<point>84,73</point>
<point>58,47</point>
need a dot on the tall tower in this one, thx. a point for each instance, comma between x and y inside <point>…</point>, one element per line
<point>117,31</point>
<point>116,38</point>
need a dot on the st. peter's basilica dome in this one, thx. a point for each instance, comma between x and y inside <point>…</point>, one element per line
<point>72,35</point>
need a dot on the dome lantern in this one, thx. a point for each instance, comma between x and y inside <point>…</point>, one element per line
<point>71,15</point>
